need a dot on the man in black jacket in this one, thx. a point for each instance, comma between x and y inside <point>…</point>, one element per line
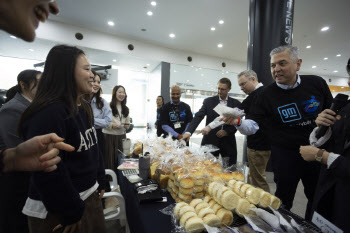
<point>222,137</point>
<point>259,149</point>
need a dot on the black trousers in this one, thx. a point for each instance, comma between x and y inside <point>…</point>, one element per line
<point>227,148</point>
<point>289,168</point>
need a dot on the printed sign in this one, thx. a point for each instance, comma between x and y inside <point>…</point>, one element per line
<point>325,225</point>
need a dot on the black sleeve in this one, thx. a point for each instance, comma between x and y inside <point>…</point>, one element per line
<point>164,116</point>
<point>202,112</point>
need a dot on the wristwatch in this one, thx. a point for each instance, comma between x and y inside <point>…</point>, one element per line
<point>319,155</point>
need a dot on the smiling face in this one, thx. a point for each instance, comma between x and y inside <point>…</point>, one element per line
<point>22,17</point>
<point>284,69</point>
<point>96,85</point>
<point>84,78</point>
<point>159,102</point>
<point>175,94</point>
<point>120,94</point>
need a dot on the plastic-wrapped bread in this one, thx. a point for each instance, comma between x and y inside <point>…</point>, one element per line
<point>198,195</point>
<point>229,200</point>
<point>152,170</point>
<point>170,183</point>
<point>185,209</point>
<point>177,208</point>
<point>237,188</point>
<point>212,220</point>
<point>226,176</point>
<point>231,183</point>
<point>198,188</point>
<point>184,197</point>
<point>238,176</point>
<point>187,191</point>
<point>265,198</point>
<point>225,216</point>
<point>200,206</point>
<point>275,202</point>
<point>252,195</point>
<point>242,207</point>
<point>216,207</point>
<point>195,202</point>
<point>220,191</point>
<point>251,212</point>
<point>200,182</point>
<point>207,198</point>
<point>186,216</point>
<point>212,203</point>
<point>186,183</point>
<point>175,189</point>
<point>205,211</point>
<point>194,225</point>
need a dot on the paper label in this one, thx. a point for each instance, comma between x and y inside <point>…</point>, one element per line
<point>177,125</point>
<point>325,225</point>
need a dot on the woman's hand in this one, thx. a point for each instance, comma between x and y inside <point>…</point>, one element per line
<point>126,126</point>
<point>75,227</point>
<point>100,193</point>
<point>115,126</point>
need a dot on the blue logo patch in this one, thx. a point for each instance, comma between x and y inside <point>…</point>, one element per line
<point>173,116</point>
<point>310,106</point>
<point>289,112</point>
<point>182,115</point>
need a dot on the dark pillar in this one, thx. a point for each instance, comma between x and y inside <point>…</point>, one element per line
<point>270,26</point>
<point>165,81</point>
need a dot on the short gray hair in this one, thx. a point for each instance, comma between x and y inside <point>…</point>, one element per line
<point>249,74</point>
<point>293,51</point>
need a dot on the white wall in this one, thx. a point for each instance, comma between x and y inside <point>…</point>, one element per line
<point>64,33</point>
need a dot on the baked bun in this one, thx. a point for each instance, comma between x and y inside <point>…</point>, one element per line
<point>186,183</point>
<point>212,220</point>
<point>275,202</point>
<point>187,191</point>
<point>207,198</point>
<point>205,211</point>
<point>177,208</point>
<point>195,202</point>
<point>194,225</point>
<point>225,216</point>
<point>184,197</point>
<point>238,176</point>
<point>186,216</point>
<point>185,209</point>
<point>198,195</point>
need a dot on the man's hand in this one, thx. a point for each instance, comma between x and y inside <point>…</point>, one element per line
<point>308,152</point>
<point>75,227</point>
<point>186,137</point>
<point>205,130</point>
<point>327,118</point>
<point>231,120</point>
<point>36,154</point>
<point>179,137</point>
<point>221,133</point>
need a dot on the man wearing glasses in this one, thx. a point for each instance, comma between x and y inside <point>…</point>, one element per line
<point>221,137</point>
<point>259,149</point>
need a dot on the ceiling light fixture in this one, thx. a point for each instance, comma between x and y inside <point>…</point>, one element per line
<point>111,23</point>
<point>336,71</point>
<point>313,67</point>
<point>326,58</point>
<point>221,22</point>
<point>31,50</point>
<point>153,3</point>
<point>308,47</point>
<point>338,55</point>
<point>114,60</point>
<point>212,28</point>
<point>147,64</point>
<point>172,35</point>
<point>220,45</point>
<point>324,29</point>
<point>150,13</point>
<point>13,37</point>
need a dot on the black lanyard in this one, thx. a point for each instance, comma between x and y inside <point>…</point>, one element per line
<point>176,111</point>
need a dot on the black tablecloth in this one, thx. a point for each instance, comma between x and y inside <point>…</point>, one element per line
<point>144,217</point>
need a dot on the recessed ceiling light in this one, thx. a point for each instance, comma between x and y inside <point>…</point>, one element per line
<point>313,67</point>
<point>202,75</point>
<point>226,72</point>
<point>324,29</point>
<point>114,60</point>
<point>326,58</point>
<point>212,28</point>
<point>13,37</point>
<point>153,3</point>
<point>147,64</point>
<point>150,13</point>
<point>175,71</point>
<point>308,47</point>
<point>219,45</point>
<point>171,35</point>
<point>221,22</point>
<point>31,50</point>
<point>110,23</point>
<point>338,55</point>
<point>336,71</point>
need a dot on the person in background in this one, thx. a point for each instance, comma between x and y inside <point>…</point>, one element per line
<point>67,197</point>
<point>14,193</point>
<point>332,194</point>
<point>116,131</point>
<point>160,104</point>
<point>258,145</point>
<point>21,18</point>
<point>290,105</point>
<point>102,111</point>
<point>175,115</point>
<point>222,137</point>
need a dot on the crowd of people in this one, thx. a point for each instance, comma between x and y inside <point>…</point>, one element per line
<point>56,125</point>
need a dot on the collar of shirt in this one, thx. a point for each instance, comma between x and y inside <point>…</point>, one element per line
<point>26,98</point>
<point>174,103</point>
<point>224,102</point>
<point>259,85</point>
<point>93,100</point>
<point>286,87</point>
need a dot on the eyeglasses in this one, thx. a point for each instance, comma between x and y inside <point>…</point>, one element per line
<point>222,89</point>
<point>242,84</point>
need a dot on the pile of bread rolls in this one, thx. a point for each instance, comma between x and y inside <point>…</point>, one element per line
<point>188,218</point>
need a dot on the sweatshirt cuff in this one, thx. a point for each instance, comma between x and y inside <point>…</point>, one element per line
<point>71,219</point>
<point>331,158</point>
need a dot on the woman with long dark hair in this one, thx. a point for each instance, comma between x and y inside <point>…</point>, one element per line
<point>15,185</point>
<point>66,197</point>
<point>100,108</point>
<point>158,126</point>
<point>116,132</point>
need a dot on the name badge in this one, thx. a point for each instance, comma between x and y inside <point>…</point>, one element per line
<point>324,224</point>
<point>177,125</point>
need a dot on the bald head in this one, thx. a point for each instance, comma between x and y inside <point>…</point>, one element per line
<point>175,94</point>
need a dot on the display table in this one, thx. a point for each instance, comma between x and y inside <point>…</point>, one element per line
<point>146,217</point>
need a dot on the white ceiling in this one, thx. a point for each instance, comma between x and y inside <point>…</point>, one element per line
<point>191,20</point>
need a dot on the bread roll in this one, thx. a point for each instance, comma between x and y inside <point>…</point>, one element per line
<point>198,195</point>
<point>153,170</point>
<point>265,198</point>
<point>253,195</point>
<point>194,225</point>
<point>226,176</point>
<point>205,211</point>
<point>242,207</point>
<point>171,176</point>
<point>187,191</point>
<point>212,203</point>
<point>186,183</point>
<point>231,183</point>
<point>200,182</point>
<point>198,188</point>
<point>221,191</point>
<point>238,176</point>
<point>216,207</point>
<point>184,197</point>
<point>195,202</point>
<point>275,202</point>
<point>185,209</point>
<point>237,188</point>
<point>175,189</point>
<point>173,195</point>
<point>225,216</point>
<point>229,200</point>
<point>177,208</point>
<point>170,183</point>
<point>201,206</point>
<point>207,198</point>
<point>186,216</point>
<point>212,220</point>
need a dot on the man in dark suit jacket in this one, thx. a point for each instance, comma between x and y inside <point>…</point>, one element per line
<point>222,137</point>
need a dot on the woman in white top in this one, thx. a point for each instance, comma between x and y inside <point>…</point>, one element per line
<point>116,132</point>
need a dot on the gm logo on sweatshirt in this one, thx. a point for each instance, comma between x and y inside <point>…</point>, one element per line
<point>289,112</point>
